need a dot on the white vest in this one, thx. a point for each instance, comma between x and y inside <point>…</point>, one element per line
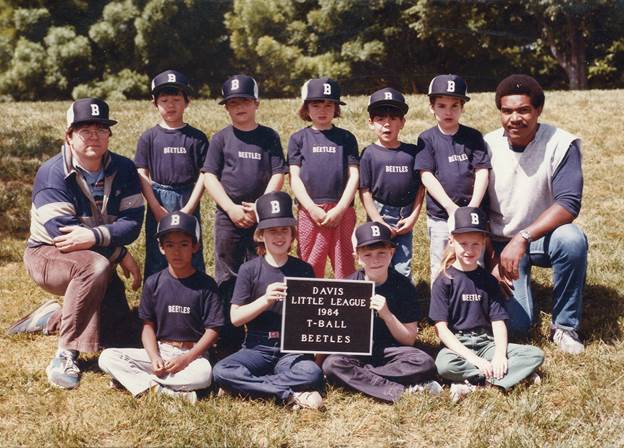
<point>520,183</point>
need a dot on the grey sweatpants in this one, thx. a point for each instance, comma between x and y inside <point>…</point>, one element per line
<point>522,360</point>
<point>132,367</point>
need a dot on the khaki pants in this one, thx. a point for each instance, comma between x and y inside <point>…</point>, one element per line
<point>92,293</point>
<point>132,367</point>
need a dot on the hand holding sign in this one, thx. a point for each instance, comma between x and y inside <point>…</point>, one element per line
<point>378,303</point>
<point>275,292</point>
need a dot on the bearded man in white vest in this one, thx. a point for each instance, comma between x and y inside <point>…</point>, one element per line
<point>535,191</point>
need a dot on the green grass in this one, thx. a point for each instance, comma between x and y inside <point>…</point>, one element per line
<point>580,401</point>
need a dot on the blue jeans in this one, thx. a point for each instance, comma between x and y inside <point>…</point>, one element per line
<point>260,370</point>
<point>402,259</point>
<point>565,251</point>
<point>172,199</point>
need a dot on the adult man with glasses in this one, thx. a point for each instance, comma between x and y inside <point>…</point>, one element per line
<point>86,206</point>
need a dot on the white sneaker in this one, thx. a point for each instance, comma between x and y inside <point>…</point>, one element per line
<point>568,341</point>
<point>534,378</point>
<point>306,400</point>
<point>63,372</point>
<point>35,321</point>
<point>190,396</point>
<point>460,390</point>
<point>432,387</point>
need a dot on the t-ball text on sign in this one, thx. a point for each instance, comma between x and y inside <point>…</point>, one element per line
<point>327,316</point>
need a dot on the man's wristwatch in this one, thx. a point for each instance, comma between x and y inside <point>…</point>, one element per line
<point>526,236</point>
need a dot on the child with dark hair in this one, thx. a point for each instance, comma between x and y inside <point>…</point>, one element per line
<point>169,157</point>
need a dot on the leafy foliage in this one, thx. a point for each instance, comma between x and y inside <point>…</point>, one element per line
<point>69,47</point>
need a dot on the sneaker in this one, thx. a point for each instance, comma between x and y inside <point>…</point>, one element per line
<point>35,321</point>
<point>432,387</point>
<point>534,378</point>
<point>63,371</point>
<point>190,396</point>
<point>568,341</point>
<point>460,390</point>
<point>306,400</point>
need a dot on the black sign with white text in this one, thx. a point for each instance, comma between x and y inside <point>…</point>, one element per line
<point>327,316</point>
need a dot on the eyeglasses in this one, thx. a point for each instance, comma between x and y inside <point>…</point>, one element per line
<point>99,132</point>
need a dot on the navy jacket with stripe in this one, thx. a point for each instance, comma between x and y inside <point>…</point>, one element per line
<point>61,197</point>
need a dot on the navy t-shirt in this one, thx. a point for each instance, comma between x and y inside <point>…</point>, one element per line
<point>244,161</point>
<point>390,174</point>
<point>253,278</point>
<point>453,160</point>
<point>181,308</point>
<point>324,158</point>
<point>172,156</point>
<point>467,301</point>
<point>400,296</point>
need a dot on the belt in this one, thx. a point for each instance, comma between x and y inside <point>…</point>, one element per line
<point>473,331</point>
<point>186,345</point>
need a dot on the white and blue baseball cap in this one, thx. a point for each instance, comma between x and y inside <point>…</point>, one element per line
<point>239,86</point>
<point>388,98</point>
<point>170,78</point>
<point>371,233</point>
<point>275,210</point>
<point>449,85</point>
<point>88,110</point>
<point>178,222</point>
<point>321,89</point>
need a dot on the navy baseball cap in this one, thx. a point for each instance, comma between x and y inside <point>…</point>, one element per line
<point>178,222</point>
<point>469,219</point>
<point>388,98</point>
<point>371,233</point>
<point>239,86</point>
<point>170,78</point>
<point>449,85</point>
<point>88,110</point>
<point>321,89</point>
<point>275,210</point>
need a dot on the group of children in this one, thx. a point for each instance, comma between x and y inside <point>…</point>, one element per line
<point>243,169</point>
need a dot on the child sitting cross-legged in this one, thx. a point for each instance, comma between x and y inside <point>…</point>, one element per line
<point>396,366</point>
<point>181,315</point>
<point>470,318</point>
<point>259,369</point>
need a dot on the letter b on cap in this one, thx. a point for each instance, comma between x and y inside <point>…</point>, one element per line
<point>375,231</point>
<point>475,218</point>
<point>175,220</point>
<point>450,86</point>
<point>275,208</point>
<point>171,77</point>
<point>387,95</point>
<point>326,88</point>
<point>235,84</point>
<point>95,109</point>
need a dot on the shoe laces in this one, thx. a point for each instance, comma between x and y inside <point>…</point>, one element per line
<point>69,363</point>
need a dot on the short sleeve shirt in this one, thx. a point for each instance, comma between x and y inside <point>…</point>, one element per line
<point>244,161</point>
<point>453,160</point>
<point>324,158</point>
<point>181,308</point>
<point>401,300</point>
<point>390,174</point>
<point>252,281</point>
<point>467,301</point>
<point>173,156</point>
